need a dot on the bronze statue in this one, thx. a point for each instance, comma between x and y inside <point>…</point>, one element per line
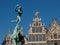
<point>18,35</point>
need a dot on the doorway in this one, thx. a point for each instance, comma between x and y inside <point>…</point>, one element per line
<point>55,43</point>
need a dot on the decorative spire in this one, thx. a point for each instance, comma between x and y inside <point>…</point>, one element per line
<point>54,23</point>
<point>9,31</point>
<point>36,14</point>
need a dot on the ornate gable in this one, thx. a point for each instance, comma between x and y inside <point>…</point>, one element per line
<point>8,40</point>
<point>37,32</point>
<point>54,31</point>
<point>37,25</point>
<point>54,27</point>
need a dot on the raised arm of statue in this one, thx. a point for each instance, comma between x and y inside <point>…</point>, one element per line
<point>19,10</point>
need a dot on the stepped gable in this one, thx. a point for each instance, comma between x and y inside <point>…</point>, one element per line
<point>8,40</point>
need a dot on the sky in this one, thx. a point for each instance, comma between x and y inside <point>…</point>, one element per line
<point>49,9</point>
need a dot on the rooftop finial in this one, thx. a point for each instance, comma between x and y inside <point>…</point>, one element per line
<point>36,14</point>
<point>9,30</point>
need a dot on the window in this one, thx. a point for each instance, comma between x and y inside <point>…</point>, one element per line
<point>33,37</point>
<point>40,37</point>
<point>40,29</point>
<point>36,37</point>
<point>29,37</point>
<point>58,35</point>
<point>51,36</point>
<point>37,30</point>
<point>55,35</point>
<point>43,37</point>
<point>33,30</point>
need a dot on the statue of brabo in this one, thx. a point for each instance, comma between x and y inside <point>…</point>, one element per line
<point>18,35</point>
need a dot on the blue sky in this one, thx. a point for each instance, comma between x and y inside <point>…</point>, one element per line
<point>48,9</point>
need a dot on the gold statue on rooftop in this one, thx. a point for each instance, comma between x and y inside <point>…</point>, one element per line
<point>36,14</point>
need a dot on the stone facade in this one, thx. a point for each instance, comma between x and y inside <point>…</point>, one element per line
<point>38,34</point>
<point>53,35</point>
<point>8,40</point>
